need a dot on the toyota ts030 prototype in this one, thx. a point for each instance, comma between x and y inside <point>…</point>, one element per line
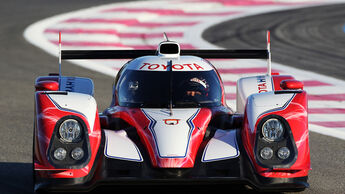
<point>168,123</point>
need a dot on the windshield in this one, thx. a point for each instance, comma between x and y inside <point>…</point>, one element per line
<point>157,89</point>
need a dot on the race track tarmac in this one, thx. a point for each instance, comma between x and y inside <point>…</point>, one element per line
<point>312,39</point>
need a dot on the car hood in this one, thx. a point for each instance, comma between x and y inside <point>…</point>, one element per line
<point>176,135</point>
<point>172,140</point>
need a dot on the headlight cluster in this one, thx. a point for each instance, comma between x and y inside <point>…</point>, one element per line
<point>70,130</point>
<point>61,153</point>
<point>273,130</point>
<point>274,145</point>
<point>69,145</point>
<point>266,153</point>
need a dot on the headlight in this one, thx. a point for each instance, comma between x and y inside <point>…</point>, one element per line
<point>273,130</point>
<point>77,153</point>
<point>266,153</point>
<point>70,130</point>
<point>60,154</point>
<point>283,153</point>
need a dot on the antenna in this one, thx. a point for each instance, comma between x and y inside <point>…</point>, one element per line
<point>59,59</point>
<point>170,63</point>
<point>269,60</point>
<point>165,36</point>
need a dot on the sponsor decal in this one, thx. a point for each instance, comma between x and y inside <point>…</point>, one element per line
<point>201,82</point>
<point>171,121</point>
<point>185,67</point>
<point>70,84</point>
<point>262,84</point>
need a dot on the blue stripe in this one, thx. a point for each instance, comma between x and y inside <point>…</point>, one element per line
<point>151,128</point>
<point>344,28</point>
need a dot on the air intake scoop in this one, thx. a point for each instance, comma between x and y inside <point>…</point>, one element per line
<point>169,49</point>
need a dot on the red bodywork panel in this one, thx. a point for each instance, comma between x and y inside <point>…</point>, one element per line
<point>296,116</point>
<point>48,115</point>
<point>135,117</point>
<point>291,85</point>
<point>47,86</point>
<point>277,79</point>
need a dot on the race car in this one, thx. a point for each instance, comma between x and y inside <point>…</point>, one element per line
<point>168,123</point>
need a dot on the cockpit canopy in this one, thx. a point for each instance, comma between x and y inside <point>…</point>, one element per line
<point>192,82</point>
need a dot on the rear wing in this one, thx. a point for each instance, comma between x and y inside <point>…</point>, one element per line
<point>131,54</point>
<point>169,49</point>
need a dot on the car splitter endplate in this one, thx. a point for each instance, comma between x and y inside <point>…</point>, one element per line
<point>112,172</point>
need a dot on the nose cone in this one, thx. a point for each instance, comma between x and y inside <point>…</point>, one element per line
<point>177,137</point>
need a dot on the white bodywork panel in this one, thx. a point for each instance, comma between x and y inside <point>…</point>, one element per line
<point>221,147</point>
<point>77,102</point>
<point>261,103</point>
<point>182,63</point>
<point>251,85</point>
<point>171,139</point>
<point>119,146</point>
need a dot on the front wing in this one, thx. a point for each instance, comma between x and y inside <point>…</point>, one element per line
<point>113,172</point>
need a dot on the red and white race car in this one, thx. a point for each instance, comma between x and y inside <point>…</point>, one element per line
<point>168,123</point>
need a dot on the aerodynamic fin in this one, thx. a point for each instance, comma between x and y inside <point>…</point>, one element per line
<point>165,36</point>
<point>269,59</point>
<point>60,59</point>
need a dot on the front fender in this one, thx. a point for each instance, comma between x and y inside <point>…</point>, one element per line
<point>291,108</point>
<point>50,109</point>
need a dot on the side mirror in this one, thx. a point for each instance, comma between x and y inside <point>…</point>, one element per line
<point>291,85</point>
<point>47,85</point>
<point>104,121</point>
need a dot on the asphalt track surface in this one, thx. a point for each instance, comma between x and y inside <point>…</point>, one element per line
<point>312,39</point>
<point>21,63</point>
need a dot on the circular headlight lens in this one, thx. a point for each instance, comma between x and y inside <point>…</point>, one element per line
<point>60,154</point>
<point>283,153</point>
<point>272,130</point>
<point>266,153</point>
<point>70,130</point>
<point>77,153</point>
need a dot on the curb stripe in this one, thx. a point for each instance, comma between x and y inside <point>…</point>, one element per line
<point>113,32</point>
<point>327,97</point>
<point>128,22</point>
<point>331,124</point>
<point>177,12</point>
<point>257,70</point>
<point>244,2</point>
<point>326,110</point>
<point>312,83</point>
<point>113,44</point>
